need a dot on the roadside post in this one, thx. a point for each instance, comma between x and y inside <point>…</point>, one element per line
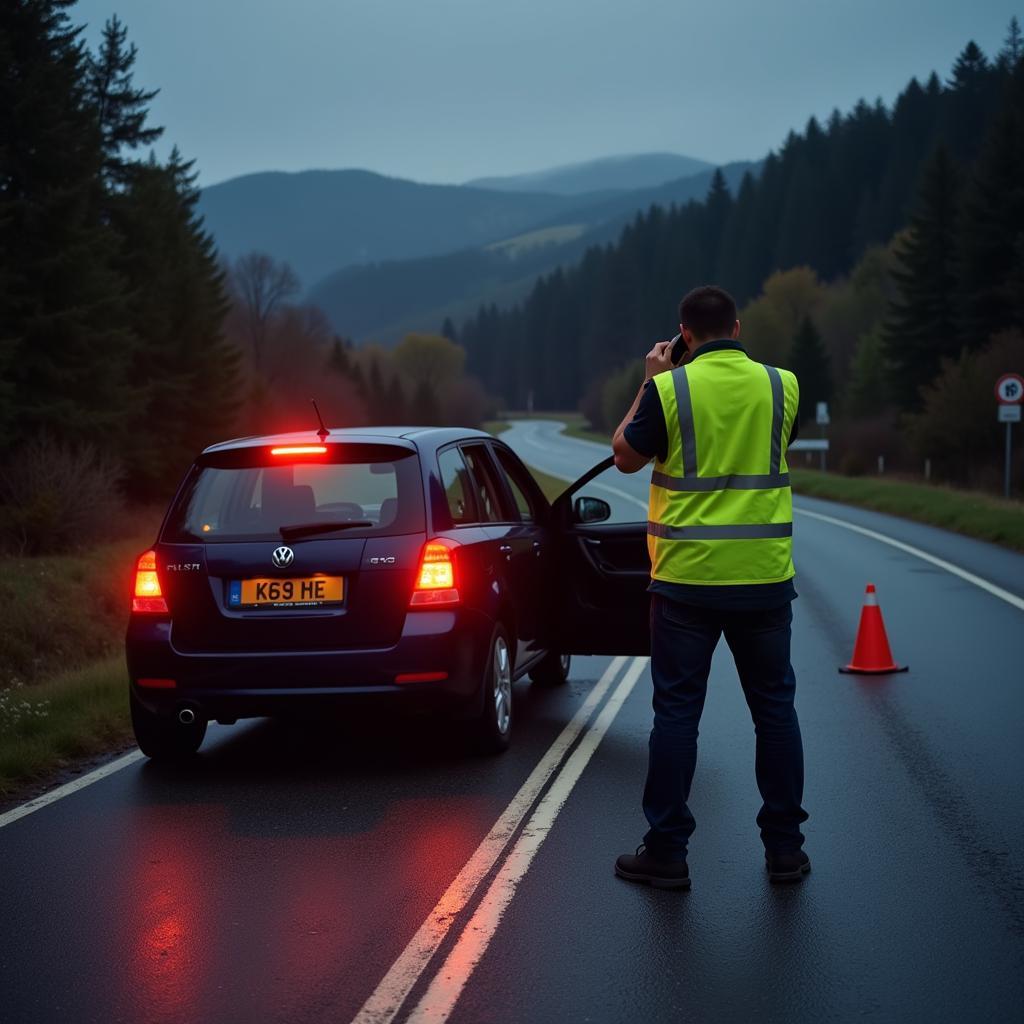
<point>823,420</point>
<point>1010,394</point>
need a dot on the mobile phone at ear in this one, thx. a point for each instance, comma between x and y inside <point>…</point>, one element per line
<point>678,349</point>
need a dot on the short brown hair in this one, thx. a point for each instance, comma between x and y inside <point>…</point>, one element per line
<point>708,311</point>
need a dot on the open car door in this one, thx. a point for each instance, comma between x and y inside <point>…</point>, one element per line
<point>598,599</point>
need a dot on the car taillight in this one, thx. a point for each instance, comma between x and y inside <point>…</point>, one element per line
<point>435,581</point>
<point>148,597</point>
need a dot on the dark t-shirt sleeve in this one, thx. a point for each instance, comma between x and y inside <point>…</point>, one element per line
<point>793,434</point>
<point>646,432</point>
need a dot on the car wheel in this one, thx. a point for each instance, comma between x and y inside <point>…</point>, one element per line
<point>163,737</point>
<point>553,670</point>
<point>494,727</point>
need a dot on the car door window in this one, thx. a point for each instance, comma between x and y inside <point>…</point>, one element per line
<point>458,486</point>
<point>486,489</point>
<point>522,493</point>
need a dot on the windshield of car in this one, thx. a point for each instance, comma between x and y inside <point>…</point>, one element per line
<point>254,502</point>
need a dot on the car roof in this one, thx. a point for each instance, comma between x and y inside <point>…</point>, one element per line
<point>413,437</point>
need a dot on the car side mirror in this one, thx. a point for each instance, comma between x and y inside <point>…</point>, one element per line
<point>591,510</point>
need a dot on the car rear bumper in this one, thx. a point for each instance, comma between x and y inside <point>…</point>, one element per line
<point>242,685</point>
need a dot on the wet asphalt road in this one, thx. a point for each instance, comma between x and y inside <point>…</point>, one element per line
<point>279,878</point>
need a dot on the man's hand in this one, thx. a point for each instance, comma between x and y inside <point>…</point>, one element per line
<point>658,360</point>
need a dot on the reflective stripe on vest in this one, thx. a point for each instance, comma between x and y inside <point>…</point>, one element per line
<point>721,505</point>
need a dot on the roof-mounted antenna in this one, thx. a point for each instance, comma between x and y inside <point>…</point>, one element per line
<point>323,433</point>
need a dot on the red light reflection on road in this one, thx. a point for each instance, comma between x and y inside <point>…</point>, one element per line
<point>330,912</point>
<point>270,925</point>
<point>170,932</point>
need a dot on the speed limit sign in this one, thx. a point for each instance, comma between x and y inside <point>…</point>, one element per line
<point>1010,392</point>
<point>1010,389</point>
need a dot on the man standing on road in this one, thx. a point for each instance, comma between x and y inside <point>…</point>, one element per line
<point>720,528</point>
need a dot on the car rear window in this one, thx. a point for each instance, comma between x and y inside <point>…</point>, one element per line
<point>249,495</point>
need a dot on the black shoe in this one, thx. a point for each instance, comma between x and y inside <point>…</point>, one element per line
<point>787,866</point>
<point>643,866</point>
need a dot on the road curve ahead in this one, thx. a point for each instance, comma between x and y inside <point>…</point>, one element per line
<point>376,871</point>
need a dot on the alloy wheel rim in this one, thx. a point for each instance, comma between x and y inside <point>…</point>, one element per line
<point>502,685</point>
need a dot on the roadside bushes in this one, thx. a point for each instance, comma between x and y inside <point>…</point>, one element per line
<point>55,496</point>
<point>957,427</point>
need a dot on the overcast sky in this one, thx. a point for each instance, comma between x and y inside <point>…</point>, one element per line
<point>447,90</point>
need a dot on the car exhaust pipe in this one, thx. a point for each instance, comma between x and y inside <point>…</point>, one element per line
<point>186,716</point>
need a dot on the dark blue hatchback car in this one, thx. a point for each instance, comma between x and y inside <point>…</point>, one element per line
<point>421,568</point>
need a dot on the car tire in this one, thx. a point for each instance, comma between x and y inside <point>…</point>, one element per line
<point>493,729</point>
<point>553,670</point>
<point>163,737</point>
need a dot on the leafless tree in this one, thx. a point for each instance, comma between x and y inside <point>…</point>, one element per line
<point>262,286</point>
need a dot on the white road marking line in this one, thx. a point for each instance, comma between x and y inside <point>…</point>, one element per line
<point>9,817</point>
<point>440,998</point>
<point>991,588</point>
<point>386,999</point>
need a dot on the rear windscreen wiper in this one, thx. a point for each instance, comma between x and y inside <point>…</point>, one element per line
<point>309,529</point>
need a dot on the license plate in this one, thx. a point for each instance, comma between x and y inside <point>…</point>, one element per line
<point>306,592</point>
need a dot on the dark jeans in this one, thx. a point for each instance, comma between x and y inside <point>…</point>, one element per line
<point>683,638</point>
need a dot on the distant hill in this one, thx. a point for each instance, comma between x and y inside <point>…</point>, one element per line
<point>320,221</point>
<point>385,300</point>
<point>641,170</point>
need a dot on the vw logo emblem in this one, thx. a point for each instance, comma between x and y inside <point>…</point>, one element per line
<point>282,557</point>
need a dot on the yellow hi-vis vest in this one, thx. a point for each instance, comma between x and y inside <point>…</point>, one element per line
<point>721,508</point>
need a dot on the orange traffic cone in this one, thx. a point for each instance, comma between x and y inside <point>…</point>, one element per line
<point>871,654</point>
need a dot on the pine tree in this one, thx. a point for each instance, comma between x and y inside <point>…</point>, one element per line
<point>448,329</point>
<point>991,228</point>
<point>121,109</point>
<point>869,388</point>
<point>1013,48</point>
<point>921,326</point>
<point>972,89</point>
<point>184,372</point>
<point>63,320</point>
<point>717,207</point>
<point>809,361</point>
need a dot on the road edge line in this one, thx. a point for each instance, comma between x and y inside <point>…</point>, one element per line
<point>386,1000</point>
<point>39,802</point>
<point>438,1002</point>
<point>950,567</point>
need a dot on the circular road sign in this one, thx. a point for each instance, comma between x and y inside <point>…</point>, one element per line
<point>1010,389</point>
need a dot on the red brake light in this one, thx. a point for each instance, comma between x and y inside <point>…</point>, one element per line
<point>300,449</point>
<point>148,597</point>
<point>435,581</point>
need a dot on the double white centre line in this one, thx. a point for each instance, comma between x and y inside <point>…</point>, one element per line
<point>439,1000</point>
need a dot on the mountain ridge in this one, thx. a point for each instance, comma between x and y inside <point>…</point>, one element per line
<point>321,221</point>
<point>382,301</point>
<point>621,172</point>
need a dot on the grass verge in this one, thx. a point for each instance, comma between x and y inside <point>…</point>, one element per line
<point>64,611</point>
<point>971,513</point>
<point>63,684</point>
<point>577,427</point>
<point>72,715</point>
